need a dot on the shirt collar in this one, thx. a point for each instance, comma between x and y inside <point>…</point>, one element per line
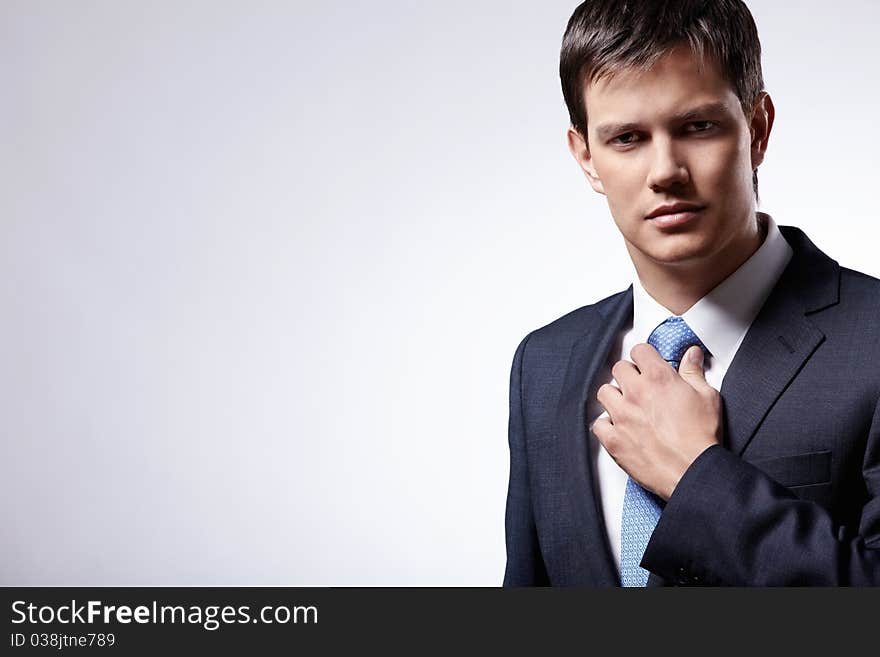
<point>722,317</point>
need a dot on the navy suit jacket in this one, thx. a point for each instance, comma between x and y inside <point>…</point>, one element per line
<point>792,497</point>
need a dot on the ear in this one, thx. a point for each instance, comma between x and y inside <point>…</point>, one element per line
<point>580,150</point>
<point>761,125</point>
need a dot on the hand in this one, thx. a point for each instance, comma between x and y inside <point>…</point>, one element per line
<point>660,420</point>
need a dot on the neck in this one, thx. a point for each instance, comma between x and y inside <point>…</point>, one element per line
<point>679,286</point>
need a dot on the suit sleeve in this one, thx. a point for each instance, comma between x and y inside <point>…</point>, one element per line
<point>525,566</point>
<point>728,523</point>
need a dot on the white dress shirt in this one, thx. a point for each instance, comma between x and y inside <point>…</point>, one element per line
<point>720,319</point>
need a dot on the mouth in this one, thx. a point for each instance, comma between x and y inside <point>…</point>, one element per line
<point>674,214</point>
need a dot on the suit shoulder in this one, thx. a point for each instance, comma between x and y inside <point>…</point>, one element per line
<point>570,326</point>
<point>857,323</point>
<point>859,292</point>
<point>858,311</point>
<point>541,359</point>
<point>859,281</point>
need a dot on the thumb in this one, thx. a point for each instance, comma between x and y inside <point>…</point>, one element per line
<point>691,367</point>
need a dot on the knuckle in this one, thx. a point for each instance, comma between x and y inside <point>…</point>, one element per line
<point>610,443</point>
<point>605,390</point>
<point>601,428</point>
<point>634,394</point>
<point>712,395</point>
<point>657,374</point>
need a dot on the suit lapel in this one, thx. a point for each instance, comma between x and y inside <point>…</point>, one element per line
<point>780,340</point>
<point>580,542</point>
<point>778,344</point>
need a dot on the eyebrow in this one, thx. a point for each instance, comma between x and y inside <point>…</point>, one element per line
<point>608,130</point>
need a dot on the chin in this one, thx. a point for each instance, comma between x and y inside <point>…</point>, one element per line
<point>678,250</point>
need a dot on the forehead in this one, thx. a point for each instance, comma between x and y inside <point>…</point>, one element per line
<point>677,81</point>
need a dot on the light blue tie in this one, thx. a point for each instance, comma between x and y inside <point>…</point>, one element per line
<point>642,509</point>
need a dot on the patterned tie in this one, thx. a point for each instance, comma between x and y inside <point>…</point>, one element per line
<point>642,509</point>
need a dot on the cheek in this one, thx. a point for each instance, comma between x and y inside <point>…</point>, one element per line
<point>717,167</point>
<point>622,181</point>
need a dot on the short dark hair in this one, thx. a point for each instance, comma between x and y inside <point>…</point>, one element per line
<point>605,36</point>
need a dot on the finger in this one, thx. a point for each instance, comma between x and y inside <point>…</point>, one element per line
<point>626,374</point>
<point>610,397</point>
<point>603,430</point>
<point>691,367</point>
<point>645,357</point>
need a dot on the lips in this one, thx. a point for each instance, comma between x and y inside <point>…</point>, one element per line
<point>674,209</point>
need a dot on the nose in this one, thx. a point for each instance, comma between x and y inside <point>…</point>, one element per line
<point>668,168</point>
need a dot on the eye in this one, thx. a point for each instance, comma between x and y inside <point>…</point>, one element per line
<point>625,139</point>
<point>700,126</point>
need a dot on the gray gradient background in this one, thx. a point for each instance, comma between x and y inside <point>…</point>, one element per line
<point>263,267</point>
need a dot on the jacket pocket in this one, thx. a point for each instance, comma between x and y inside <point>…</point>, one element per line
<point>798,470</point>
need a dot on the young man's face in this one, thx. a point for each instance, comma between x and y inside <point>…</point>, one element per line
<point>674,136</point>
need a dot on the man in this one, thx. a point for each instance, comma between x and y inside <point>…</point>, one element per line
<point>627,465</point>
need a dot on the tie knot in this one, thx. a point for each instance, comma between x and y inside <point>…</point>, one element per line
<point>672,338</point>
